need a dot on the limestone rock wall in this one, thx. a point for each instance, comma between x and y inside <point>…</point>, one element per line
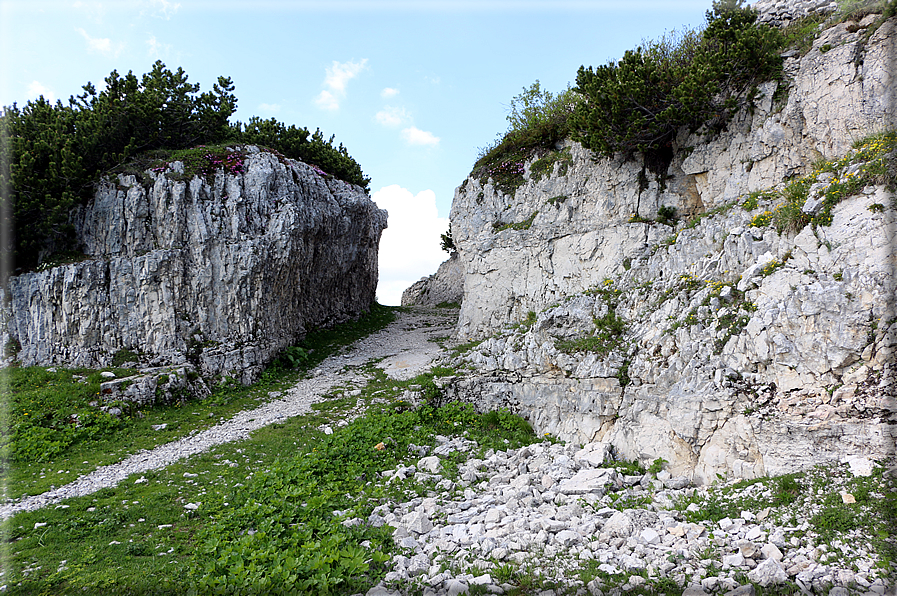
<point>580,232</point>
<point>743,351</point>
<point>221,273</point>
<point>444,286</point>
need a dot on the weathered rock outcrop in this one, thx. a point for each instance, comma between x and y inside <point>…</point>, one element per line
<point>219,273</point>
<point>721,346</point>
<point>444,286</point>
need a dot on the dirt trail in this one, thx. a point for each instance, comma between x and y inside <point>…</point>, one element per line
<point>403,349</point>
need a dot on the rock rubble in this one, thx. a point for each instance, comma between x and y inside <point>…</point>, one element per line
<point>553,511</point>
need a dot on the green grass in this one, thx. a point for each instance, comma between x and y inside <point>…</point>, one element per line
<point>267,501</point>
<point>876,153</point>
<point>42,447</point>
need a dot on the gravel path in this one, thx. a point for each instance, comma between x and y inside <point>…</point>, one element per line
<point>404,349</point>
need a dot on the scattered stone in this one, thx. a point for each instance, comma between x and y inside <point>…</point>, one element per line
<point>430,464</point>
<point>619,524</point>
<point>859,466</point>
<point>767,573</point>
<point>771,551</point>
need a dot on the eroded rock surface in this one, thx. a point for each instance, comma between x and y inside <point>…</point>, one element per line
<point>218,273</point>
<point>723,345</point>
<point>446,286</point>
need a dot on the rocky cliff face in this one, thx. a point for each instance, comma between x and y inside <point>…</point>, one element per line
<point>718,343</point>
<point>444,286</point>
<point>219,273</point>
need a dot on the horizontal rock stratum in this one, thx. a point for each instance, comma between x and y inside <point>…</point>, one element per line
<point>220,273</point>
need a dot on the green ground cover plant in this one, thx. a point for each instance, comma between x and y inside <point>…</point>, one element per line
<point>268,510</point>
<point>811,494</point>
<point>499,226</point>
<point>873,160</point>
<point>545,166</point>
<point>610,328</point>
<point>537,123</point>
<point>40,430</point>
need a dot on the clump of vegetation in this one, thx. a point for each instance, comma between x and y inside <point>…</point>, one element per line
<point>731,314</point>
<point>50,412</point>
<point>53,412</point>
<point>499,226</point>
<point>666,215</point>
<point>752,201</point>
<point>610,328</point>
<point>872,161</point>
<point>545,166</point>
<point>199,161</point>
<point>56,153</point>
<point>446,242</point>
<point>527,323</point>
<point>295,143</point>
<point>697,79</point>
<point>298,542</point>
<point>537,123</point>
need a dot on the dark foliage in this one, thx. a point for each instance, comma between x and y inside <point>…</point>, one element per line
<point>53,154</point>
<point>698,81</point>
<point>295,143</point>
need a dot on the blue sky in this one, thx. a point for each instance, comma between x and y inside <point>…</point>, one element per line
<point>411,88</point>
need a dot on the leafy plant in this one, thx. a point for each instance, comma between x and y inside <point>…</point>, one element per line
<point>56,152</point>
<point>537,123</point>
<point>872,161</point>
<point>293,357</point>
<point>696,79</point>
<point>447,243</point>
<point>545,165</point>
<point>667,215</point>
<point>608,334</point>
<point>498,226</point>
<point>294,142</point>
<point>291,506</point>
<point>657,465</point>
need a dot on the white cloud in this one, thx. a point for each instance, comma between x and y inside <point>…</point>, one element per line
<point>338,76</point>
<point>95,10</point>
<point>156,49</point>
<point>269,108</point>
<point>390,116</point>
<point>327,101</point>
<point>163,8</point>
<point>389,92</point>
<point>416,136</point>
<point>102,45</point>
<point>410,246</point>
<point>36,89</point>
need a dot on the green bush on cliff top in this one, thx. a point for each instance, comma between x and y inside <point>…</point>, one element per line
<point>696,80</point>
<point>53,154</point>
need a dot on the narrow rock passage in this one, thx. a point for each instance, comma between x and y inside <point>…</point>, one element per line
<point>405,348</point>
